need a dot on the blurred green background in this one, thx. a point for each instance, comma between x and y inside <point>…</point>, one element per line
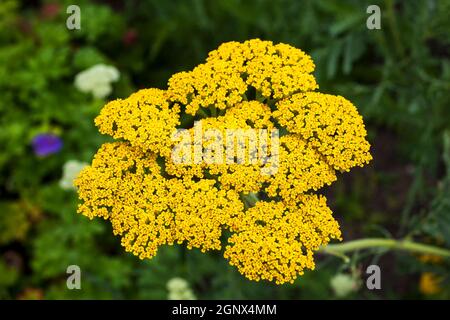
<point>398,77</point>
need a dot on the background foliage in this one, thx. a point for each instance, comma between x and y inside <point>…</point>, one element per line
<point>399,77</point>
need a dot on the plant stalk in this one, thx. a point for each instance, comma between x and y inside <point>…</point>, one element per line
<point>393,244</point>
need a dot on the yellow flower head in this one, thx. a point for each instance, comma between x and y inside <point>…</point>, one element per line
<point>196,159</point>
<point>430,283</point>
<point>125,184</point>
<point>276,242</point>
<point>145,119</point>
<point>330,124</point>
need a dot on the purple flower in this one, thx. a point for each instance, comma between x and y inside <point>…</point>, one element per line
<point>46,143</point>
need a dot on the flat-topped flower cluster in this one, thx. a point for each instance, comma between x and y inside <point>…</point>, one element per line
<point>275,222</point>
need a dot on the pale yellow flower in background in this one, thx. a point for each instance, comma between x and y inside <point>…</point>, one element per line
<point>179,290</point>
<point>97,80</point>
<point>344,284</point>
<point>71,169</point>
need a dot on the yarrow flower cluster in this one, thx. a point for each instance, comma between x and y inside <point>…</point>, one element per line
<point>274,221</point>
<point>344,284</point>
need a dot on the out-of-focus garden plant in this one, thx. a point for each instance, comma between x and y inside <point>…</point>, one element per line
<point>398,77</point>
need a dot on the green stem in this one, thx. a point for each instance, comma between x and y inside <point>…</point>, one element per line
<point>213,111</point>
<point>394,28</point>
<point>250,199</point>
<point>202,113</point>
<point>393,244</point>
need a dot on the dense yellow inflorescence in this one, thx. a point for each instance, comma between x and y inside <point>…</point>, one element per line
<point>125,184</point>
<point>153,198</point>
<point>145,119</point>
<point>276,241</point>
<point>331,124</point>
<point>301,169</point>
